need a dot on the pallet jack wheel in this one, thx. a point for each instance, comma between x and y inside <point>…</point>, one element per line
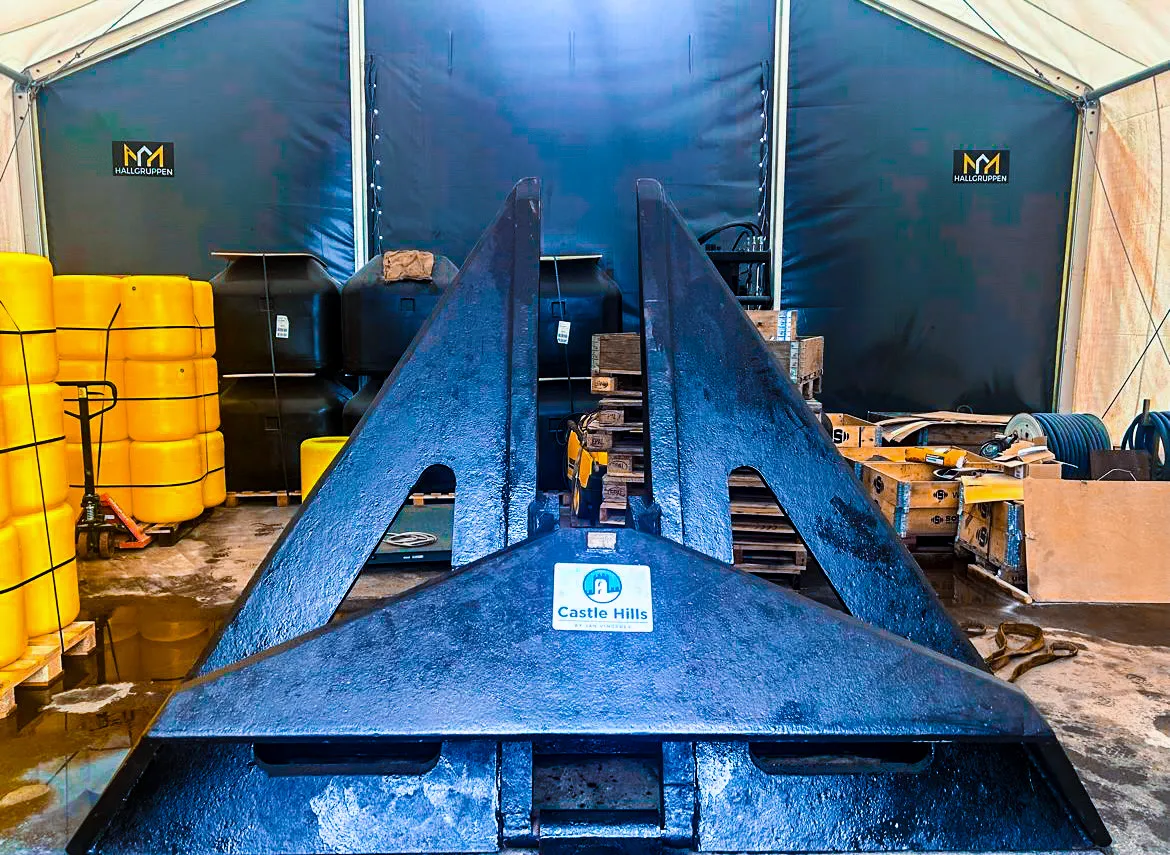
<point>105,545</point>
<point>82,545</point>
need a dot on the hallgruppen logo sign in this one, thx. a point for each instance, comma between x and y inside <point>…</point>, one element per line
<point>135,158</point>
<point>982,166</point>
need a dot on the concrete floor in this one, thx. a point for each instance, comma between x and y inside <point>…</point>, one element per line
<point>1110,705</point>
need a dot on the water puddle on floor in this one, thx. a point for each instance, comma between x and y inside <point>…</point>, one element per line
<point>64,742</point>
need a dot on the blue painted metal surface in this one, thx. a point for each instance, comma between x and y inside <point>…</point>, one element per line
<point>717,400</point>
<point>772,724</point>
<point>442,661</point>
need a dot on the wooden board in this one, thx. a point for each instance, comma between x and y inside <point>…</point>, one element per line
<point>1098,541</point>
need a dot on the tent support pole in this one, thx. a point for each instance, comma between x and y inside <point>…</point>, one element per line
<point>1076,253</point>
<point>778,143</point>
<point>357,132</point>
<point>19,77</point>
<point>1145,74</point>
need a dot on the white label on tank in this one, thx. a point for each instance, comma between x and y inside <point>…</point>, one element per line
<point>282,326</point>
<point>602,598</point>
<point>563,332</point>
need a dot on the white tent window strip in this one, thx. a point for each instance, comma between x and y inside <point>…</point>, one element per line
<point>1118,351</point>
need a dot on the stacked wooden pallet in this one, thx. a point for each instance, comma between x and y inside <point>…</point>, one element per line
<point>801,359</point>
<point>41,664</point>
<point>616,428</point>
<point>763,539</point>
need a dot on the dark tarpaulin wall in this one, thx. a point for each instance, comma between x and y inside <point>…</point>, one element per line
<point>929,294</point>
<point>256,101</point>
<point>473,96</point>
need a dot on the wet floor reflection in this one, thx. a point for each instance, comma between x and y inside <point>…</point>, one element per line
<point>64,742</point>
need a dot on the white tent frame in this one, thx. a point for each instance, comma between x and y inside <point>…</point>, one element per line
<point>918,13</point>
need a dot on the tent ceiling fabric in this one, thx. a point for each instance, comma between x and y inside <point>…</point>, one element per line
<point>1095,41</point>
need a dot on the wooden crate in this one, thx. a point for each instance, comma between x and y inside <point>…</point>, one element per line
<point>921,522</point>
<point>617,353</point>
<point>774,324</point>
<point>974,534</point>
<point>853,432</point>
<point>802,359</point>
<point>41,663</point>
<point>908,485</point>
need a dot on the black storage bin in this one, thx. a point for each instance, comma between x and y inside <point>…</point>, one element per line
<point>379,319</point>
<point>589,299</point>
<point>553,411</point>
<point>303,320</point>
<point>252,432</point>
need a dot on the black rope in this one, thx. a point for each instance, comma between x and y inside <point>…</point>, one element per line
<point>40,476</point>
<point>31,579</point>
<point>32,444</point>
<point>272,362</point>
<point>1004,41</point>
<point>151,486</point>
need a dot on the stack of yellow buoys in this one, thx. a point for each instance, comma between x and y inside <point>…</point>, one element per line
<point>38,575</point>
<point>172,398</point>
<point>91,344</point>
<point>158,453</point>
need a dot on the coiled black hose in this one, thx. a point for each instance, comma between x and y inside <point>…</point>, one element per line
<point>1071,436</point>
<point>1151,432</point>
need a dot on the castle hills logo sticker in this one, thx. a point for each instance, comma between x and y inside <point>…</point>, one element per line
<point>602,598</point>
<point>982,166</point>
<point>135,158</point>
<point>602,585</point>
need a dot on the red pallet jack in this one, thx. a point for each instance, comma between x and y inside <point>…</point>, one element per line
<point>102,525</point>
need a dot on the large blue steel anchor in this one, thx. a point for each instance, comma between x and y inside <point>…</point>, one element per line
<point>770,723</point>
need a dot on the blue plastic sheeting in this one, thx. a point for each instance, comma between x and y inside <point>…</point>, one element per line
<point>473,96</point>
<point>256,102</point>
<point>929,293</point>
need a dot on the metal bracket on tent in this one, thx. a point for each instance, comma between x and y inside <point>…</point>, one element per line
<point>768,723</point>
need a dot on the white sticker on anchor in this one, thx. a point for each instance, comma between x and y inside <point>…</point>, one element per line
<point>602,598</point>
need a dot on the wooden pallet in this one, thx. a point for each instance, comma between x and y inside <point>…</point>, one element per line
<point>420,499</point>
<point>617,385</point>
<point>282,497</point>
<point>765,571</point>
<point>170,533</point>
<point>613,513</point>
<point>41,663</point>
<point>606,437</point>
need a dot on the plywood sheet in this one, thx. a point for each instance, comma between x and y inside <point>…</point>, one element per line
<point>1098,541</point>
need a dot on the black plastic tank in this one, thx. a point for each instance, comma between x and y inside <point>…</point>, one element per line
<point>380,317</point>
<point>554,407</point>
<point>253,426</point>
<point>300,316</point>
<point>589,300</point>
<point>356,406</point>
